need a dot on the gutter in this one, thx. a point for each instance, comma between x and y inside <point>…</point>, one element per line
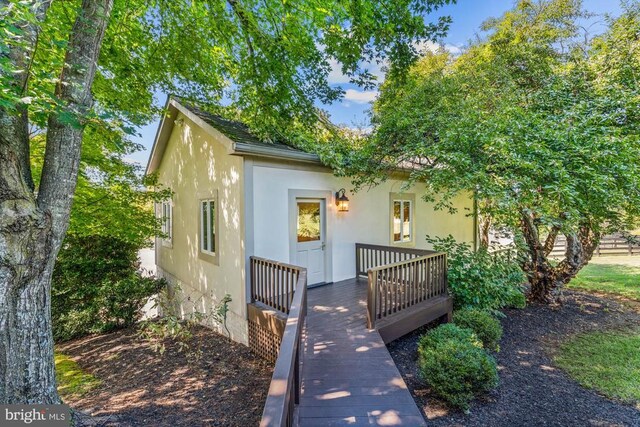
<point>242,148</point>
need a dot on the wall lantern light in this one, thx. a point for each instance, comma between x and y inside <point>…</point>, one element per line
<point>342,201</point>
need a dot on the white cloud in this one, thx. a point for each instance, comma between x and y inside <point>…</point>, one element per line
<point>426,46</point>
<point>429,46</point>
<point>336,76</point>
<point>453,49</point>
<point>360,97</point>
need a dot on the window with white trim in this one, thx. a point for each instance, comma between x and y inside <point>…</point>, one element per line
<point>208,226</point>
<point>401,213</point>
<point>166,220</point>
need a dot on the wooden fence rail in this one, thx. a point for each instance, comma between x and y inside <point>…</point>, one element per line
<point>609,245</point>
<point>420,275</point>
<point>273,283</point>
<point>284,390</point>
<point>371,256</point>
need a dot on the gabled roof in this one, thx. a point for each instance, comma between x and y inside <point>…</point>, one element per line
<point>235,136</point>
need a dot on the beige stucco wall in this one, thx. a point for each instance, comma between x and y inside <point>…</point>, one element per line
<point>195,165</point>
<point>368,219</point>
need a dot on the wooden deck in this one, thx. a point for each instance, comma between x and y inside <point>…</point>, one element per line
<point>348,375</point>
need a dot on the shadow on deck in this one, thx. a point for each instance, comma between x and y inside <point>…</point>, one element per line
<point>328,343</point>
<point>348,376</point>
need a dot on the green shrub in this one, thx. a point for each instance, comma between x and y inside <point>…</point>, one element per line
<point>454,367</point>
<point>96,287</point>
<point>479,279</point>
<point>517,300</point>
<point>486,327</point>
<point>445,332</point>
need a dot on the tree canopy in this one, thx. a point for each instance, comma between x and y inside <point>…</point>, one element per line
<point>541,126</point>
<point>83,72</point>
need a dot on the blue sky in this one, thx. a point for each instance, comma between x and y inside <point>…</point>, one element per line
<point>467,16</point>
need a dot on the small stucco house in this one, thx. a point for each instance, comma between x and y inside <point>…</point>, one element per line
<point>235,196</point>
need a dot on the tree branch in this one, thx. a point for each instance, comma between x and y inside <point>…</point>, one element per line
<point>14,124</point>
<point>66,127</point>
<point>550,242</point>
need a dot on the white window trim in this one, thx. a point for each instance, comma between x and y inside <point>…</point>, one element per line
<point>204,253</point>
<point>402,198</point>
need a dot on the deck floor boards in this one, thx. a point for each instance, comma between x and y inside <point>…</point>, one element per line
<point>348,375</point>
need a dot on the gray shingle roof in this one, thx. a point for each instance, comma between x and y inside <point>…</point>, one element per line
<point>234,130</point>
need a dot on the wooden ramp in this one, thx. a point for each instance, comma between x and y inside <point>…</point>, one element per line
<point>348,376</point>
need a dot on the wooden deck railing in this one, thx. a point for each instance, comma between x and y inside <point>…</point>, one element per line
<point>273,283</point>
<point>398,286</point>
<point>370,256</point>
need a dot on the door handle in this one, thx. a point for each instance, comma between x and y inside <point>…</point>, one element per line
<point>323,245</point>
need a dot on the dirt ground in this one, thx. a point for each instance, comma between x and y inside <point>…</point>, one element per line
<point>226,386</point>
<point>532,391</point>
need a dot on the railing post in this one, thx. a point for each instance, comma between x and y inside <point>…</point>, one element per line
<point>357,261</point>
<point>446,276</point>
<point>252,280</point>
<point>372,299</point>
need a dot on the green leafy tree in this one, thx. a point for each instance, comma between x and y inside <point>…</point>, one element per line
<point>78,69</point>
<point>539,125</point>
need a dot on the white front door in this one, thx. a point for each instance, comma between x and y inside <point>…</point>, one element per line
<point>310,238</point>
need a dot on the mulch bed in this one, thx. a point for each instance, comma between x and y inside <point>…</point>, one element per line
<point>532,391</point>
<point>226,386</point>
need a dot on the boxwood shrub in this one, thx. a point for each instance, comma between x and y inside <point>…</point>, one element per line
<point>445,332</point>
<point>454,365</point>
<point>486,327</point>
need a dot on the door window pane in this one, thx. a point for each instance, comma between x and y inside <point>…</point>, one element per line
<point>308,221</point>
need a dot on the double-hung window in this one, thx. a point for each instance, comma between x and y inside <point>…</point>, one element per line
<point>402,208</point>
<point>208,227</point>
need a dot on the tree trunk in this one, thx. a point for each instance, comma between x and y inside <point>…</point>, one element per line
<point>545,278</point>
<point>485,227</point>
<point>32,229</point>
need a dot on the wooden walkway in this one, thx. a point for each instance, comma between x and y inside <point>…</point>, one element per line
<point>348,375</point>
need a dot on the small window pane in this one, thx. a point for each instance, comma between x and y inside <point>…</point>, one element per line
<point>397,220</point>
<point>308,221</point>
<point>212,228</point>
<point>406,224</point>
<point>203,226</point>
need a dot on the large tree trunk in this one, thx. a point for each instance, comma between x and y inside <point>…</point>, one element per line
<point>544,277</point>
<point>32,228</point>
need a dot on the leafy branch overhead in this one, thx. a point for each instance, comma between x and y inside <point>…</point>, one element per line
<point>77,77</point>
<point>538,124</point>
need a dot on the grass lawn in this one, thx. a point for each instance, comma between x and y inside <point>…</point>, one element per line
<point>608,362</point>
<point>606,276</point>
<point>72,380</point>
